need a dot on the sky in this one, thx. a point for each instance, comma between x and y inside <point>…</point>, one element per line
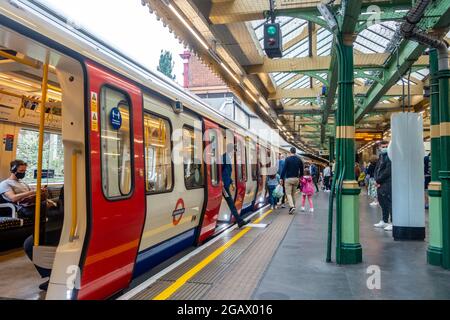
<point>127,26</point>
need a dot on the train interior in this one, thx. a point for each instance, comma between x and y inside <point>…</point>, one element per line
<point>26,68</point>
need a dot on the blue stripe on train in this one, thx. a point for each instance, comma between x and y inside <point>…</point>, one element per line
<point>155,255</point>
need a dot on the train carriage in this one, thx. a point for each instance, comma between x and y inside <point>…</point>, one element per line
<point>141,179</point>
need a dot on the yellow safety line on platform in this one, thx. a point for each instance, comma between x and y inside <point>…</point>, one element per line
<point>167,293</point>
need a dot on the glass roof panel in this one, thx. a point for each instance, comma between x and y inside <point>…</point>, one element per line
<point>421,74</point>
<point>324,42</point>
<point>376,38</point>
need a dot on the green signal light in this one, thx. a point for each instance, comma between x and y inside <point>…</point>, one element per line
<point>271,30</point>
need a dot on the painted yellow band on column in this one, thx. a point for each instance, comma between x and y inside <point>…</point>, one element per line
<point>435,131</point>
<point>345,132</point>
<point>445,129</point>
<point>435,186</point>
<point>350,185</point>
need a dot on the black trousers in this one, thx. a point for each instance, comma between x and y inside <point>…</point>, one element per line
<point>326,182</point>
<point>385,200</point>
<point>230,201</point>
<point>316,180</point>
<point>51,239</point>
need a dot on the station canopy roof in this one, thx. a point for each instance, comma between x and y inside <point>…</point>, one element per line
<point>298,92</point>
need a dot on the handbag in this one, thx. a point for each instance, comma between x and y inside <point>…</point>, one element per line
<point>278,192</point>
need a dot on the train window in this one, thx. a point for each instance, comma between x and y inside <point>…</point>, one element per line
<point>192,158</point>
<point>240,164</point>
<point>115,144</point>
<point>53,156</point>
<point>158,154</point>
<point>254,162</point>
<point>244,164</point>
<point>214,152</point>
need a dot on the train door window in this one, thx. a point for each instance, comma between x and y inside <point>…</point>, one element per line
<point>240,166</point>
<point>53,156</point>
<point>115,143</point>
<point>254,162</point>
<point>214,152</point>
<point>192,158</point>
<point>158,154</point>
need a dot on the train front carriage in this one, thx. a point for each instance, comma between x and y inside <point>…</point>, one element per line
<point>130,180</point>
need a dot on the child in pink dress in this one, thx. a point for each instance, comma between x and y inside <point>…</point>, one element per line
<point>307,185</point>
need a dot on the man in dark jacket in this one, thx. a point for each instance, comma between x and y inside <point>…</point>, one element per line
<point>315,175</point>
<point>228,184</point>
<point>384,184</point>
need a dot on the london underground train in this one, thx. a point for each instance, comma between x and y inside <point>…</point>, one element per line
<point>113,133</point>
<point>135,158</point>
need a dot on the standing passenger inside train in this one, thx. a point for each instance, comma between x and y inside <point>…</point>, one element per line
<point>292,172</point>
<point>228,184</point>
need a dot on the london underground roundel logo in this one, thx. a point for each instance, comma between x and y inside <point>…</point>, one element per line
<point>177,215</point>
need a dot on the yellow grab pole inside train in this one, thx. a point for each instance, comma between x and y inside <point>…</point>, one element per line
<point>37,218</point>
<point>25,61</point>
<point>73,227</point>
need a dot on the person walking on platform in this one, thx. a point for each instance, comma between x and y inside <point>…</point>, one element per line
<point>327,178</point>
<point>307,186</point>
<point>228,184</point>
<point>273,180</point>
<point>314,175</point>
<point>281,164</point>
<point>384,186</point>
<point>292,172</point>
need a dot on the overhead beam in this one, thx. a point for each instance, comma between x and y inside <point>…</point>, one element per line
<point>322,63</point>
<point>299,93</point>
<point>408,53</point>
<point>224,12</point>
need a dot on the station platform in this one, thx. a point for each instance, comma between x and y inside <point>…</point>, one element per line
<point>286,260</point>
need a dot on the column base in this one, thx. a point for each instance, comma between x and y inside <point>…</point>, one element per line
<point>409,233</point>
<point>434,256</point>
<point>351,253</point>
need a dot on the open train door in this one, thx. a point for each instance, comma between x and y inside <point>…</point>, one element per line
<point>213,196</point>
<point>117,195</point>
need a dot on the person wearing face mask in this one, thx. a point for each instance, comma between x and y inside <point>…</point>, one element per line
<point>15,191</point>
<point>383,173</point>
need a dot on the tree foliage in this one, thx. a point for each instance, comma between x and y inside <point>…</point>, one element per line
<point>53,155</point>
<point>166,64</point>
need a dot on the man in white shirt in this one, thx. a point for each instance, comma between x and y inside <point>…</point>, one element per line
<point>327,178</point>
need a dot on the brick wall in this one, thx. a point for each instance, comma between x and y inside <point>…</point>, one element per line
<point>201,76</point>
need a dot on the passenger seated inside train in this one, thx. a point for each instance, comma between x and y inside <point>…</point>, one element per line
<point>14,190</point>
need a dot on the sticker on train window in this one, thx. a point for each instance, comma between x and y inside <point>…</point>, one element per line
<point>115,117</point>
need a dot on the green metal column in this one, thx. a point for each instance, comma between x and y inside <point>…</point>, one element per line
<point>349,250</point>
<point>444,173</point>
<point>434,251</point>
<point>331,148</point>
